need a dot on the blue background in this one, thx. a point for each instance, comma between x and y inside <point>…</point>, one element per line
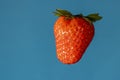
<point>27,46</point>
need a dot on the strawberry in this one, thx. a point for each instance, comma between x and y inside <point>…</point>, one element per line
<point>73,34</point>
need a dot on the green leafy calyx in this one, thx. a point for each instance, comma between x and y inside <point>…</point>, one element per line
<point>91,17</point>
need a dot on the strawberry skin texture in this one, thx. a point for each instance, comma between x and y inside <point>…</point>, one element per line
<point>72,37</point>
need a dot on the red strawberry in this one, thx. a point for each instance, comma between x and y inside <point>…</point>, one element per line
<point>73,34</point>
